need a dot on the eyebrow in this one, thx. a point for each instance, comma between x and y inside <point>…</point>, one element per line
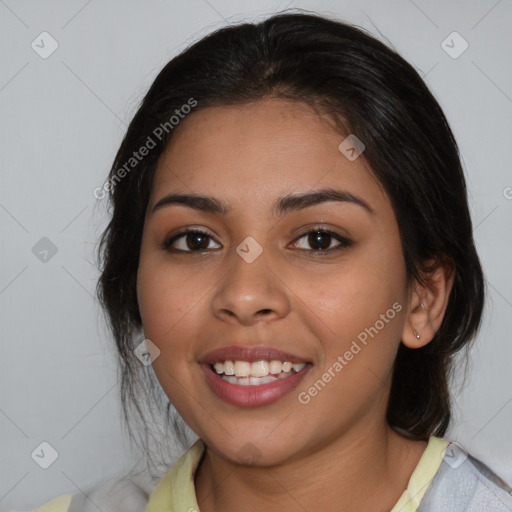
<point>285,204</point>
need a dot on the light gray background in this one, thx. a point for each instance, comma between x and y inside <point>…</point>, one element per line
<point>62,120</point>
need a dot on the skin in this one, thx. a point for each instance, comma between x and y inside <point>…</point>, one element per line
<point>331,451</point>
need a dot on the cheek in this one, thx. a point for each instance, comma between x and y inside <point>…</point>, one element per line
<point>167,314</point>
<point>353,295</point>
<point>363,302</point>
<point>163,299</point>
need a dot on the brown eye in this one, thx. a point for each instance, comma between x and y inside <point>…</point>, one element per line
<point>192,240</point>
<point>320,240</point>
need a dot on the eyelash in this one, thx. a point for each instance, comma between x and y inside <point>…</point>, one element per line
<point>343,241</point>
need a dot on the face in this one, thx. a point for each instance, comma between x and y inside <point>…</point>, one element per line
<point>272,280</point>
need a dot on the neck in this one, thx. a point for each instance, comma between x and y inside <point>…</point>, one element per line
<point>367,468</point>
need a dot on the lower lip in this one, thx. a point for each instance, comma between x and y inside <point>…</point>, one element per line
<point>252,396</point>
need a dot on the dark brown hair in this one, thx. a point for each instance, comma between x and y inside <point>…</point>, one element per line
<point>370,91</point>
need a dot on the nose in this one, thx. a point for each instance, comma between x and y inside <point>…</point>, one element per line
<point>250,293</point>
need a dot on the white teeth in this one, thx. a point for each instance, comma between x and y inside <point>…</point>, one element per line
<point>250,381</point>
<point>275,367</point>
<point>243,381</point>
<point>246,373</point>
<point>266,380</point>
<point>259,369</point>
<point>242,368</point>
<point>287,366</point>
<point>229,368</point>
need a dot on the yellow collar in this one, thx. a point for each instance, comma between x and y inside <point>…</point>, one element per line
<point>176,491</point>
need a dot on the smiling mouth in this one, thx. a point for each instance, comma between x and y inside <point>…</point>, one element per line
<point>255,373</point>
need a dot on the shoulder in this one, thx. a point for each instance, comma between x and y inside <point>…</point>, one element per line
<point>134,491</point>
<point>464,483</point>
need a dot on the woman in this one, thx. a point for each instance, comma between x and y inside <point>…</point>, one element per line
<point>291,239</point>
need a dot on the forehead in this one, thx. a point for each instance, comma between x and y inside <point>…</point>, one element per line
<point>260,150</point>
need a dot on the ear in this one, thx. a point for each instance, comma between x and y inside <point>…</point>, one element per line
<point>428,303</point>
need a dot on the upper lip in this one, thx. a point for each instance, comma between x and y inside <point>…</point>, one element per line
<point>250,354</point>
